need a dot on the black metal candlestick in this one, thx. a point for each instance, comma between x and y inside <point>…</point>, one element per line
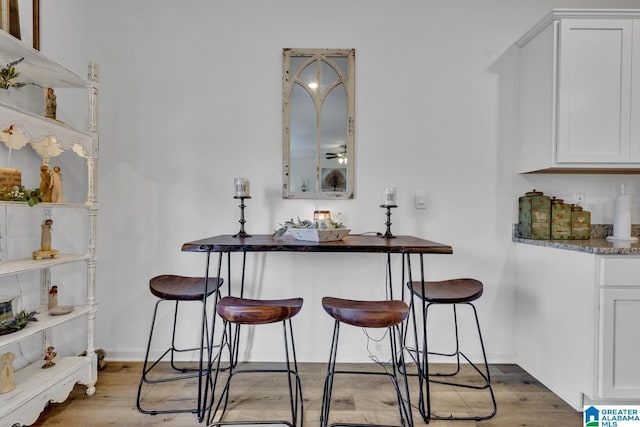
<point>387,234</point>
<point>242,221</point>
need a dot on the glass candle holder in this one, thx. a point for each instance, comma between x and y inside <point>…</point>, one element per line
<point>320,215</point>
<point>242,187</point>
<point>389,196</point>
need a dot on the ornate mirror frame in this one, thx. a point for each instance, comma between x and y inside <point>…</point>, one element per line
<point>318,123</point>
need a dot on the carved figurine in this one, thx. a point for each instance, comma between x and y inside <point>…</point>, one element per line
<point>51,104</point>
<point>45,242</point>
<point>57,195</point>
<point>45,239</point>
<point>45,183</point>
<point>48,357</point>
<point>7,379</point>
<point>53,297</point>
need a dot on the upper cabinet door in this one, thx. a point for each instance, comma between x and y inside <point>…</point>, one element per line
<point>594,90</point>
<point>635,94</point>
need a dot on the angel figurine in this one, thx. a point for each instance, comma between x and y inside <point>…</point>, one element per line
<point>57,195</point>
<point>53,297</point>
<point>45,242</point>
<point>45,183</point>
<point>51,104</point>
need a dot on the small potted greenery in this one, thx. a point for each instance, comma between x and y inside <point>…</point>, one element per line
<point>26,96</point>
<point>8,74</point>
<point>19,321</point>
<point>21,194</point>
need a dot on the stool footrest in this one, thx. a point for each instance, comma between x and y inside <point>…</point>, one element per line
<point>360,425</point>
<point>245,423</point>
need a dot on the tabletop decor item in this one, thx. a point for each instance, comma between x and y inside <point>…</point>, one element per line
<point>48,358</point>
<point>388,202</point>
<point>6,307</point>
<point>53,297</point>
<point>580,223</point>
<point>21,194</point>
<point>560,219</point>
<point>51,103</point>
<point>18,322</point>
<point>622,218</point>
<point>322,230</point>
<point>61,310</point>
<point>317,214</point>
<point>8,74</point>
<point>242,192</point>
<point>10,178</point>
<point>45,250</point>
<point>534,215</point>
<point>7,371</point>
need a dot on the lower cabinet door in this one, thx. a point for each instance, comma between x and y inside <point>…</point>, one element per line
<point>619,343</point>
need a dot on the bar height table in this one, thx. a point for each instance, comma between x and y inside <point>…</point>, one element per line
<point>404,245</point>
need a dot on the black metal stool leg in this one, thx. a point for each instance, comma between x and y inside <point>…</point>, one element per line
<point>328,382</point>
<point>179,290</point>
<point>236,312</point>
<point>295,397</point>
<point>224,343</point>
<point>397,360</point>
<point>146,368</point>
<point>427,378</point>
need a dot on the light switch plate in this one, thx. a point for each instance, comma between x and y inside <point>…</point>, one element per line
<point>421,199</point>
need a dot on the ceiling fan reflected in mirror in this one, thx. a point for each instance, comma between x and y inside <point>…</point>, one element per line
<point>341,156</point>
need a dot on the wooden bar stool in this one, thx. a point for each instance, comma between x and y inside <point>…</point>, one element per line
<point>177,289</point>
<point>368,314</point>
<point>452,292</point>
<point>243,311</point>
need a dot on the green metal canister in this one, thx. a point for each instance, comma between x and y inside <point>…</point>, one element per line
<point>580,223</point>
<point>534,210</point>
<point>560,219</point>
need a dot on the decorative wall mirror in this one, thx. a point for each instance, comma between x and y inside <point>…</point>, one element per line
<point>318,128</point>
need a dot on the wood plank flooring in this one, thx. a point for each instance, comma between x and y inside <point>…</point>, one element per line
<point>522,401</point>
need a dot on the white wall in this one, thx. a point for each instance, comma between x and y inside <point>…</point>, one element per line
<point>190,97</point>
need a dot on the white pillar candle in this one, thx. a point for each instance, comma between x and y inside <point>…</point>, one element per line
<point>242,187</point>
<point>389,196</point>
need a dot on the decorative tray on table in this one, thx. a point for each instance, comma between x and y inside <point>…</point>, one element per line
<point>319,234</point>
<point>324,230</point>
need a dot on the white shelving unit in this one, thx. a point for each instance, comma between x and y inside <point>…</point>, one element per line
<point>36,387</point>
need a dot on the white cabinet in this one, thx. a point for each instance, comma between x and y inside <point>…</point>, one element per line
<point>577,317</point>
<point>36,387</point>
<point>556,319</point>
<point>619,317</point>
<point>579,98</point>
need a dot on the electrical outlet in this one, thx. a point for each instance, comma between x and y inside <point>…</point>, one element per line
<point>579,199</point>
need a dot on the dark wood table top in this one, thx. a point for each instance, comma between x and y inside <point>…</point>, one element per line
<point>351,243</point>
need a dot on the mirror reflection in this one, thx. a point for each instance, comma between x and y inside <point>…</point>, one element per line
<point>318,123</point>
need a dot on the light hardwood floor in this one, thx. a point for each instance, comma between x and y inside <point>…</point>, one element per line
<point>522,401</point>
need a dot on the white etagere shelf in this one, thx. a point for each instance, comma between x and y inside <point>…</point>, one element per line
<point>36,127</point>
<point>45,321</point>
<point>36,387</point>
<point>29,264</point>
